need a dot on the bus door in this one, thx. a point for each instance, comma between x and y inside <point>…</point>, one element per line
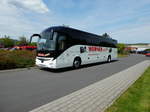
<point>61,48</point>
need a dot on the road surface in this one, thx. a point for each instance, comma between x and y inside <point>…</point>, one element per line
<point>21,91</point>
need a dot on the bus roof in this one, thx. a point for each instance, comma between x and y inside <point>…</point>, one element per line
<point>82,35</point>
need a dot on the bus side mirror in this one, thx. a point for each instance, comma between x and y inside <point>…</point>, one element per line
<point>34,35</point>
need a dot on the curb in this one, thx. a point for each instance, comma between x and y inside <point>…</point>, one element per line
<point>17,69</point>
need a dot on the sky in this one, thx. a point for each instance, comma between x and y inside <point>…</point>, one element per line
<point>127,21</point>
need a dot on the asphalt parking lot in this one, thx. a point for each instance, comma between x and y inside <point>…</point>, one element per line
<point>21,91</point>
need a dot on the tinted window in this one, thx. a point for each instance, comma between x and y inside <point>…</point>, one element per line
<point>61,42</point>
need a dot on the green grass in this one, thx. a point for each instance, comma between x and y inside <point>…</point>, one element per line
<point>136,98</point>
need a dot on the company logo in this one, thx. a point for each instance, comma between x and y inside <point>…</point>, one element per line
<point>95,48</point>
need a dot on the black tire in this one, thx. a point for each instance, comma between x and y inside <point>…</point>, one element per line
<point>109,59</point>
<point>77,63</point>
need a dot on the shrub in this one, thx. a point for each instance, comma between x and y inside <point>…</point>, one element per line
<point>147,50</point>
<point>16,59</point>
<point>7,42</point>
<point>121,49</point>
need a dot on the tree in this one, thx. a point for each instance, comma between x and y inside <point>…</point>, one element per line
<point>22,41</point>
<point>105,35</point>
<point>7,42</point>
<point>121,48</point>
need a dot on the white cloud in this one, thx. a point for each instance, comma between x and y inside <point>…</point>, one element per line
<point>139,33</point>
<point>15,23</point>
<point>34,5</point>
<point>125,20</point>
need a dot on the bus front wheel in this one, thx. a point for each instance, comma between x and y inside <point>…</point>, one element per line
<point>77,63</point>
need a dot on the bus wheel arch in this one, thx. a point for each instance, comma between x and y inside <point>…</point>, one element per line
<point>77,62</point>
<point>109,59</point>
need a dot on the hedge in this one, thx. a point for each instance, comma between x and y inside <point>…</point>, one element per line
<point>16,59</point>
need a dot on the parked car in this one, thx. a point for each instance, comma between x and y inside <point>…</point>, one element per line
<point>142,52</point>
<point>147,54</point>
<point>24,48</point>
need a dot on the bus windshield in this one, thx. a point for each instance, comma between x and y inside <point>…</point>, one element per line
<point>47,41</point>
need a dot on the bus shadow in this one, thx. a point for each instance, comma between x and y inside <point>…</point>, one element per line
<point>61,70</point>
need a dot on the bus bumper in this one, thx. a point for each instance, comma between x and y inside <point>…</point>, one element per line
<point>46,62</point>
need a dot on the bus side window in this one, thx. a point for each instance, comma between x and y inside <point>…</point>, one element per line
<point>62,42</point>
<point>82,49</point>
<point>110,50</point>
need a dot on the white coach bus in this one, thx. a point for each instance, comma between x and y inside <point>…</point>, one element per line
<point>60,47</point>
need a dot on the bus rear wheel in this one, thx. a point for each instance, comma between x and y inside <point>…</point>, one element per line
<point>77,63</point>
<point>109,59</point>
